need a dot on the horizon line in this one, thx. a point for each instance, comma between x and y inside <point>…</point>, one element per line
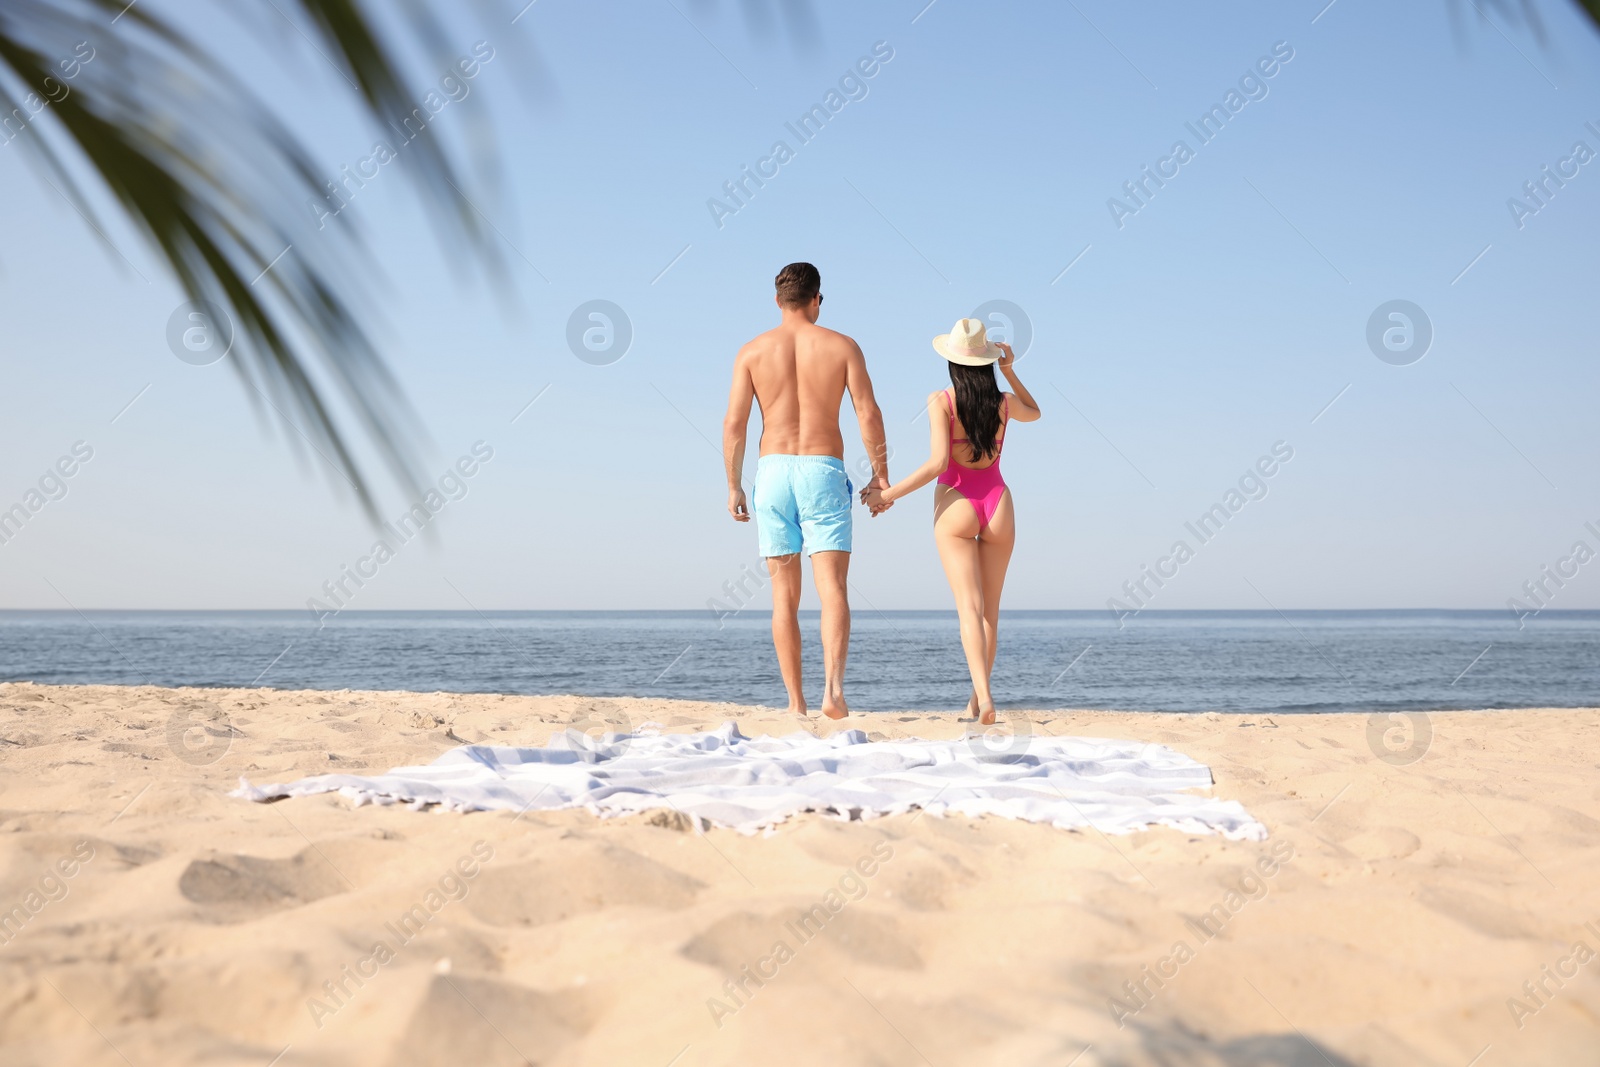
<point>762,611</point>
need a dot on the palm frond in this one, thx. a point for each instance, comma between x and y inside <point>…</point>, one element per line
<point>220,188</point>
<point>1525,13</point>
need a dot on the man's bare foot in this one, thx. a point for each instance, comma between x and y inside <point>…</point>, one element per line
<point>797,709</point>
<point>835,707</point>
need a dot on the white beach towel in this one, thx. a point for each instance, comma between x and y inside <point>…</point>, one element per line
<point>750,783</point>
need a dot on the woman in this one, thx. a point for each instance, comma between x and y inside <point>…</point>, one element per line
<point>973,523</point>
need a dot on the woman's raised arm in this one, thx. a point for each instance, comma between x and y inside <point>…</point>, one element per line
<point>1024,410</point>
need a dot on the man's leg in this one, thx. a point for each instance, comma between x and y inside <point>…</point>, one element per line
<point>785,573</point>
<point>831,571</point>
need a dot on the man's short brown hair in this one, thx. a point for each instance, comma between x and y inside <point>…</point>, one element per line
<point>798,284</point>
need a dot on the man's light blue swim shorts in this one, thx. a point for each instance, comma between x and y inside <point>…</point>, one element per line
<point>802,499</point>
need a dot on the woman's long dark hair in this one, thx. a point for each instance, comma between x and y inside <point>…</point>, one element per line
<point>978,407</point>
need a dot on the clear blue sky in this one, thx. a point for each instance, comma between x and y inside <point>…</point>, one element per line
<point>1219,319</point>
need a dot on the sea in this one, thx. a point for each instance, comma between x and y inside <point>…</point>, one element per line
<point>1174,661</point>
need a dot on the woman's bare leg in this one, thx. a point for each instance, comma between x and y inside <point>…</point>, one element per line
<point>994,556</point>
<point>955,529</point>
<point>990,636</point>
<point>785,573</point>
<point>995,543</point>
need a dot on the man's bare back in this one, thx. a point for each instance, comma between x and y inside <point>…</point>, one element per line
<point>799,372</point>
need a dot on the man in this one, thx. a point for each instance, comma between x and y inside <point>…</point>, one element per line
<point>798,373</point>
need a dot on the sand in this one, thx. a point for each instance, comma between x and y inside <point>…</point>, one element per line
<point>1421,912</point>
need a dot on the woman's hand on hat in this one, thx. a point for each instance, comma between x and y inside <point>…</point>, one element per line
<point>1009,358</point>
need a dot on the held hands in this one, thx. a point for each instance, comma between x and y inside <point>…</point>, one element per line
<point>736,506</point>
<point>872,497</point>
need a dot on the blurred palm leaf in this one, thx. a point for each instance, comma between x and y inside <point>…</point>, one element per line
<point>220,188</point>
<point>1590,8</point>
<point>1524,12</point>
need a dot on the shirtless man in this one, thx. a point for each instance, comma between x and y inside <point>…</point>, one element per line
<point>798,373</point>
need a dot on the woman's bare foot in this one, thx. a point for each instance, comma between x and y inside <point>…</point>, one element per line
<point>797,709</point>
<point>987,718</point>
<point>970,713</point>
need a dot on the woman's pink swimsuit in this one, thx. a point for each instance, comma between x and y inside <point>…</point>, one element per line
<point>982,486</point>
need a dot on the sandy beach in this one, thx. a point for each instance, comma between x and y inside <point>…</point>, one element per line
<point>1427,913</point>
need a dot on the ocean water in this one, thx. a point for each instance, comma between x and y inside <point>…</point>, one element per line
<point>1167,661</point>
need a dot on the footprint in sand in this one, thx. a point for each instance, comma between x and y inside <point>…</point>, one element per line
<point>1382,843</point>
<point>744,937</point>
<point>1491,918</point>
<point>487,1022</point>
<point>232,889</point>
<point>541,891</point>
<point>917,876</point>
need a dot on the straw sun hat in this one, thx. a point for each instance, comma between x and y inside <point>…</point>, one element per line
<point>967,343</point>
